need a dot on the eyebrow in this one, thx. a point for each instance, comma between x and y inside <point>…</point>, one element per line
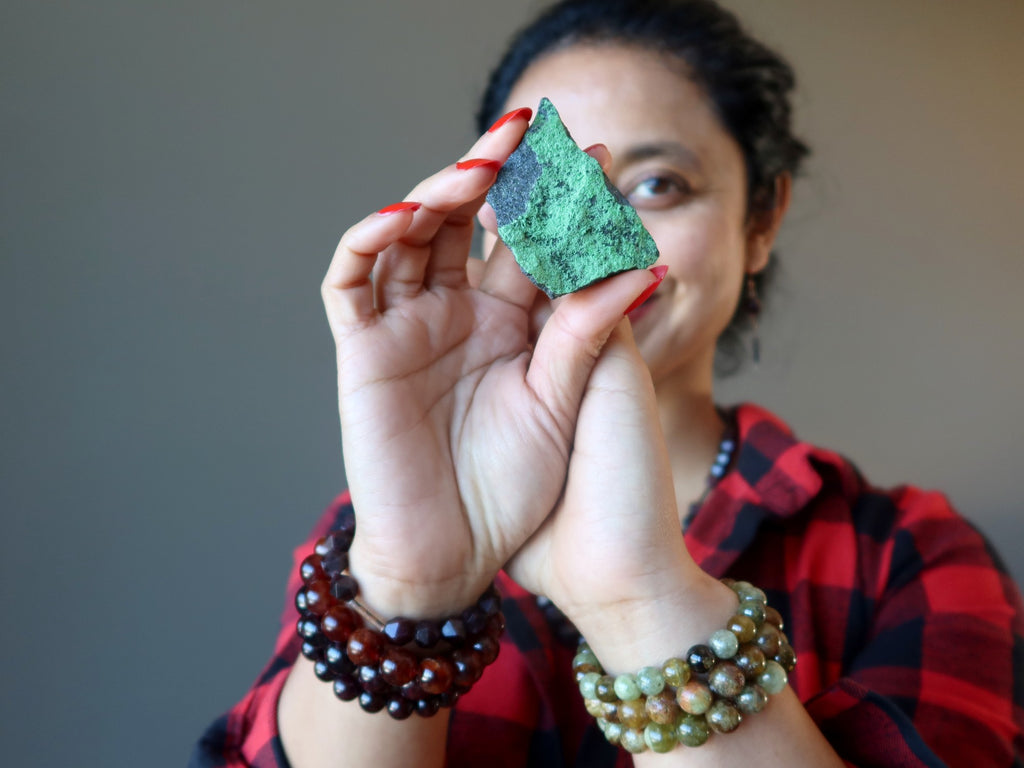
<point>657,149</point>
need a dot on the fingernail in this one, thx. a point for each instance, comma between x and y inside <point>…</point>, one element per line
<point>659,275</point>
<point>398,207</point>
<point>524,112</point>
<point>478,162</point>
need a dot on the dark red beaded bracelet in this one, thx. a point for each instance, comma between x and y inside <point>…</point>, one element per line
<point>400,665</point>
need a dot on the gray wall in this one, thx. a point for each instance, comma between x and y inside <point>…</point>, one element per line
<point>174,179</point>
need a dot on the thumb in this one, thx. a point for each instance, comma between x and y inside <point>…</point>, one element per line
<point>573,337</point>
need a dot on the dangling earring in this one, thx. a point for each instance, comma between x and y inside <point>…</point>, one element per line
<point>752,305</point>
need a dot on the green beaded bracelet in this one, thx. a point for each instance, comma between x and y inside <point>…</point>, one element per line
<point>686,699</point>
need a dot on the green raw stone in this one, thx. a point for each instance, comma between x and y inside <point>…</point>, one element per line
<point>564,221</point>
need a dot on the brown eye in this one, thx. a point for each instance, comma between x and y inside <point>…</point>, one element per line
<point>657,192</point>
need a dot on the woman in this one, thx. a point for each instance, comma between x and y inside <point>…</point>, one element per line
<point>486,429</point>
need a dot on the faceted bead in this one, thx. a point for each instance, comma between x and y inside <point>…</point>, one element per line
<point>372,702</point>
<point>662,707</point>
<point>626,688</point>
<point>428,707</point>
<point>454,631</point>
<point>588,685</point>
<point>474,620</point>
<point>340,540</point>
<point>723,717</point>
<point>489,603</point>
<point>694,697</point>
<point>346,687</point>
<point>488,649</point>
<point>427,634</point>
<point>335,562</point>
<point>400,708</point>
<point>310,570</point>
<point>398,666</point>
<point>605,688</point>
<point>660,738</point>
<point>753,610</point>
<point>773,617</point>
<point>436,675</point>
<point>751,700</point>
<point>400,630</point>
<point>318,596</point>
<point>676,671</point>
<point>751,660</point>
<point>364,646</point>
<point>346,521</point>
<point>743,627</point>
<point>773,679</point>
<point>701,659</point>
<point>726,679</point>
<point>344,587</point>
<point>650,680</point>
<point>768,639</point>
<point>371,680</point>
<point>692,730</point>
<point>469,666</point>
<point>340,622</point>
<point>633,714</point>
<point>323,671</point>
<point>786,657</point>
<point>724,644</point>
<point>632,741</point>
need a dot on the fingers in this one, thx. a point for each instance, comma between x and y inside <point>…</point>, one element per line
<point>572,339</point>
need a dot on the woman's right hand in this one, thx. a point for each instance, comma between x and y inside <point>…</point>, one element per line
<point>456,424</point>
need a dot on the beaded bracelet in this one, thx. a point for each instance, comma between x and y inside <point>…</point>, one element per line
<point>710,689</point>
<point>401,665</point>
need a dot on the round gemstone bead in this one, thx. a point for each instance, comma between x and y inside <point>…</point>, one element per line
<point>694,697</point>
<point>726,679</point>
<point>584,658</point>
<point>310,651</point>
<point>701,659</point>
<point>662,707</point>
<point>786,657</point>
<point>588,685</point>
<point>773,679</point>
<point>372,682</point>
<point>632,741</point>
<point>676,672</point>
<point>488,649</point>
<point>339,622</point>
<point>659,737</point>
<point>372,702</point>
<point>605,688</point>
<point>724,644</point>
<point>310,570</point>
<point>773,617</point>
<point>692,730</point>
<point>632,714</point>
<point>723,717</point>
<point>612,731</point>
<point>399,707</point>
<point>336,659</point>
<point>427,707</point>
<point>317,596</point>
<point>769,639</point>
<point>753,610</point>
<point>436,675</point>
<point>650,680</point>
<point>748,591</point>
<point>594,707</point>
<point>309,630</point>
<point>322,547</point>
<point>468,667</point>
<point>398,666</point>
<point>751,660</point>
<point>364,646</point>
<point>751,700</point>
<point>323,671</point>
<point>743,627</point>
<point>346,687</point>
<point>626,688</point>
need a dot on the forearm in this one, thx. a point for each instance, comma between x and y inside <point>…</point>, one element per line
<point>317,730</point>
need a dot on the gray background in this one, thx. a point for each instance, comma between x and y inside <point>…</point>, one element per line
<point>174,179</point>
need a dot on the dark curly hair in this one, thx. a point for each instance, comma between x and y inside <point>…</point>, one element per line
<point>748,84</point>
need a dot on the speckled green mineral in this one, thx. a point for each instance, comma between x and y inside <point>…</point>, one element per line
<point>564,221</point>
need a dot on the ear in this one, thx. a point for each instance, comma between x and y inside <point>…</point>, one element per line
<point>763,225</point>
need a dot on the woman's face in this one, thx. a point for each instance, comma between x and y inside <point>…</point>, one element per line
<point>683,173</point>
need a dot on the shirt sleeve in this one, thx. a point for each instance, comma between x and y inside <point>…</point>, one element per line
<point>940,680</point>
<point>246,736</point>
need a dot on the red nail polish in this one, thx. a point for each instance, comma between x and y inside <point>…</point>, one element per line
<point>524,112</point>
<point>398,207</point>
<point>659,275</point>
<point>478,162</point>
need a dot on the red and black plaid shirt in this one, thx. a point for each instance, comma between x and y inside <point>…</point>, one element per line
<point>908,630</point>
